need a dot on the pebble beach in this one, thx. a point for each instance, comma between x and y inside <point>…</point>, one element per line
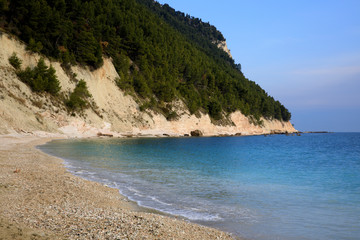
<point>40,199</point>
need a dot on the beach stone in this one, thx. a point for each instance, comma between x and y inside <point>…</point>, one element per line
<point>196,133</point>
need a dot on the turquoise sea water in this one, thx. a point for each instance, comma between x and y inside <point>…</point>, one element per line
<point>275,187</point>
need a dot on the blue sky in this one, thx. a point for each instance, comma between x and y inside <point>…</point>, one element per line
<point>305,54</point>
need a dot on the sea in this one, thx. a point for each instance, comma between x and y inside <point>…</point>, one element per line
<point>255,187</point>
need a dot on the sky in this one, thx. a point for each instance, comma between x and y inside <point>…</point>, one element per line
<point>306,54</point>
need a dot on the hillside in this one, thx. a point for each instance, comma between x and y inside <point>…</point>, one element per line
<point>147,67</point>
<point>113,112</point>
<point>159,53</point>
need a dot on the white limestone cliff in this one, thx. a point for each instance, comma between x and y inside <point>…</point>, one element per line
<point>223,45</point>
<point>23,111</point>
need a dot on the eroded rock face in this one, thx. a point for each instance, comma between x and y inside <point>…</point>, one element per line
<point>196,133</point>
<point>222,45</point>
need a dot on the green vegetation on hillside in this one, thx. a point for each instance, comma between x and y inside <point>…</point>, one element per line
<point>202,34</point>
<point>41,78</point>
<point>15,61</point>
<point>159,53</point>
<point>78,99</point>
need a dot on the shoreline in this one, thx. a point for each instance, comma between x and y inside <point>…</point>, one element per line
<point>134,205</point>
<point>41,199</point>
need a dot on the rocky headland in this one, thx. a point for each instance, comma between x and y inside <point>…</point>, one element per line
<point>113,112</point>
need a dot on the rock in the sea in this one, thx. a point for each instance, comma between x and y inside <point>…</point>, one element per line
<point>196,133</point>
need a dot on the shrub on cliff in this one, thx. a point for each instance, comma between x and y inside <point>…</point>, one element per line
<point>215,110</point>
<point>41,78</point>
<point>15,61</point>
<point>78,99</point>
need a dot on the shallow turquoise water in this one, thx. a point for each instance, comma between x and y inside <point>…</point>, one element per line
<point>275,187</point>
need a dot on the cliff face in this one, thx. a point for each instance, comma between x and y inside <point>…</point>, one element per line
<point>223,45</point>
<point>118,114</point>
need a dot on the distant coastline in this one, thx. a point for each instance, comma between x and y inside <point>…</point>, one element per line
<point>315,132</point>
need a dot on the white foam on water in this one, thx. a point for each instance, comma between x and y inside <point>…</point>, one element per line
<point>157,200</point>
<point>174,208</point>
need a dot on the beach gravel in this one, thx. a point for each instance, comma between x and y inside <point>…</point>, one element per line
<point>40,199</point>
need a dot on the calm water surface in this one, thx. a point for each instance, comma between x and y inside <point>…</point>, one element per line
<point>276,187</point>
